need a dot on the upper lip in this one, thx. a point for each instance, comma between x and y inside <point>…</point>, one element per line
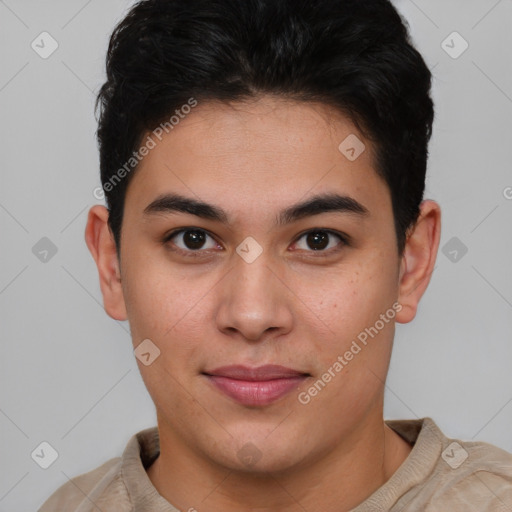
<point>266,372</point>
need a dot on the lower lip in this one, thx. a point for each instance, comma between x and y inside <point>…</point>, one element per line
<point>256,392</point>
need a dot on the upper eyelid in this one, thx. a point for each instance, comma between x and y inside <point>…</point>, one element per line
<point>179,231</point>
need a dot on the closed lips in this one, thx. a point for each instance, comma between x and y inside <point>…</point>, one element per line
<point>266,372</point>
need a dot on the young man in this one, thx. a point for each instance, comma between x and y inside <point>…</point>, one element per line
<point>264,165</point>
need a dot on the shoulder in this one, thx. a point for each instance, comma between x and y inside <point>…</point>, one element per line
<point>480,476</point>
<point>443,473</point>
<point>470,476</point>
<point>86,491</point>
<point>115,486</point>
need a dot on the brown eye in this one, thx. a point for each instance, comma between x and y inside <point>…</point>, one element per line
<point>191,240</point>
<point>320,240</point>
<point>194,239</point>
<point>317,240</point>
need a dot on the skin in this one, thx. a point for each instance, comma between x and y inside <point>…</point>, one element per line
<point>292,306</point>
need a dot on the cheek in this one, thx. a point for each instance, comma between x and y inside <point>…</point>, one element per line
<point>156,293</point>
<point>346,305</point>
<point>150,310</point>
<point>169,309</point>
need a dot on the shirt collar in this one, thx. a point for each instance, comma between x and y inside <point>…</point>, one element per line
<point>144,447</point>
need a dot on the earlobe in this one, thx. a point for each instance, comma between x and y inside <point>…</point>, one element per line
<point>100,242</point>
<point>419,259</point>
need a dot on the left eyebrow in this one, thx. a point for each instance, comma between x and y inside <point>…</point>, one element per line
<point>322,204</point>
<point>170,203</point>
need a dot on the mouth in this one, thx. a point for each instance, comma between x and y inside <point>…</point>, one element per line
<point>255,386</point>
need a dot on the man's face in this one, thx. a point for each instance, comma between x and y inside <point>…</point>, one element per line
<point>207,297</point>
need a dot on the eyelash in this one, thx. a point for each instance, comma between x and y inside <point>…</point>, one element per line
<point>197,253</point>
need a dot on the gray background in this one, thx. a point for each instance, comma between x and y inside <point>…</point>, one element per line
<point>68,373</point>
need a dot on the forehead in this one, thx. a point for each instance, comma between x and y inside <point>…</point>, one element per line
<point>256,155</point>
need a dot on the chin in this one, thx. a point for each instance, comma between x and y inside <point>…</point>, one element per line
<point>260,457</point>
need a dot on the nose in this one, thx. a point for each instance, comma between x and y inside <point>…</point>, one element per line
<point>254,300</point>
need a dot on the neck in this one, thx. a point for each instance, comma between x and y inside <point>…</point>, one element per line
<point>335,481</point>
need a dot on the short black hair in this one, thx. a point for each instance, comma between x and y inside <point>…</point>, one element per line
<point>351,55</point>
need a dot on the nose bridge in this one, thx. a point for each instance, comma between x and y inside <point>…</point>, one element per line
<point>253,278</point>
<point>252,261</point>
<point>252,298</point>
<point>252,284</point>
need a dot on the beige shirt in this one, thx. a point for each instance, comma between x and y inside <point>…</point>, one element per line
<point>439,475</point>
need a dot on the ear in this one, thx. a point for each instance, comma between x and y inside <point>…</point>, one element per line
<point>100,242</point>
<point>418,260</point>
